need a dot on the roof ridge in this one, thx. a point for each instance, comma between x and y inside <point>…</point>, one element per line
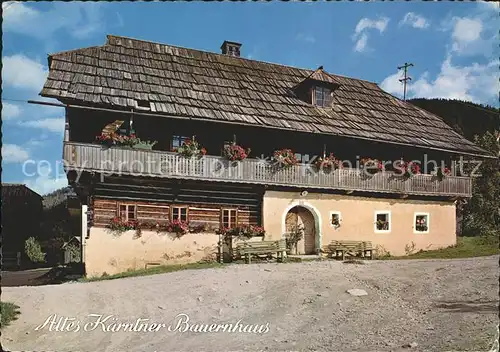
<point>238,57</point>
<point>69,51</point>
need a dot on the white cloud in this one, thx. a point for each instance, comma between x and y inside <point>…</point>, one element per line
<point>50,124</point>
<point>473,35</point>
<point>12,153</point>
<point>303,37</point>
<point>19,71</point>
<point>360,32</point>
<point>361,43</point>
<point>414,20</point>
<point>10,111</point>
<point>78,19</point>
<point>366,23</point>
<point>476,82</point>
<point>467,29</point>
<point>46,179</point>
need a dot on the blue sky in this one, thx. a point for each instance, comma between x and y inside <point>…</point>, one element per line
<point>452,46</point>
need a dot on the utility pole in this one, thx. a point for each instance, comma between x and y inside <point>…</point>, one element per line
<point>406,77</point>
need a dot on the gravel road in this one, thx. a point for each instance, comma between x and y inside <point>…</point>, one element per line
<point>434,305</point>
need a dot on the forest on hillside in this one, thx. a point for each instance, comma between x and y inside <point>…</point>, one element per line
<point>481,124</point>
<point>467,118</point>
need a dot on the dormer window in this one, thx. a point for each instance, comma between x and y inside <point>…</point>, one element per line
<point>322,97</point>
<point>317,89</point>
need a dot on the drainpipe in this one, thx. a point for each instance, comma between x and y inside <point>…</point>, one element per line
<point>84,232</point>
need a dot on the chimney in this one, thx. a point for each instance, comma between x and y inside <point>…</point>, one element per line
<point>230,48</point>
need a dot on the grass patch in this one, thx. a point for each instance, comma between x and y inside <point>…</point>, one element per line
<point>466,247</point>
<point>9,313</point>
<point>161,269</point>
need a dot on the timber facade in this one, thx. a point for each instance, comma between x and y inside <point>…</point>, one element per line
<point>174,96</point>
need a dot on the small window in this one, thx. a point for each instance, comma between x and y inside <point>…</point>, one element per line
<point>143,104</point>
<point>421,223</point>
<point>382,221</point>
<point>229,218</point>
<point>322,96</point>
<point>178,141</point>
<point>335,219</point>
<point>302,158</point>
<point>180,213</point>
<point>127,212</point>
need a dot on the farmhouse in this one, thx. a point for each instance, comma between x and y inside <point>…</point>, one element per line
<point>166,146</point>
<point>18,202</point>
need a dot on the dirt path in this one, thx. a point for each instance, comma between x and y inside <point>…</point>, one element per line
<point>437,304</point>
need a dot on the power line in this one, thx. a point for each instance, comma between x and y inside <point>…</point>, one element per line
<point>406,77</point>
<point>16,100</point>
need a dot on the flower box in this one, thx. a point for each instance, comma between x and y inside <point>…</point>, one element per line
<point>371,166</point>
<point>190,148</point>
<point>285,158</point>
<point>327,164</point>
<point>234,152</point>
<point>144,145</point>
<point>407,168</point>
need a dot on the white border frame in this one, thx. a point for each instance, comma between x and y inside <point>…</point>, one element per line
<point>330,218</point>
<point>378,212</point>
<point>415,219</point>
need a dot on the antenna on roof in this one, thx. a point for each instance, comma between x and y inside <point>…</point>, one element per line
<point>406,77</point>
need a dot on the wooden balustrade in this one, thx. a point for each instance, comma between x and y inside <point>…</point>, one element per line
<point>127,161</point>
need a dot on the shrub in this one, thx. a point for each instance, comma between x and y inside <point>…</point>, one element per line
<point>34,250</point>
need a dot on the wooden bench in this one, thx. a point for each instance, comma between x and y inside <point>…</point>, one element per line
<point>247,249</point>
<point>341,248</point>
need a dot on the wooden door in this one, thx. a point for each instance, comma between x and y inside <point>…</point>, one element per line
<point>302,218</point>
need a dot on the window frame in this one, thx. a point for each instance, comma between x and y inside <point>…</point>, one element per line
<point>126,205</point>
<point>325,96</point>
<point>415,231</point>
<point>181,139</point>
<point>389,220</point>
<point>335,212</point>
<point>229,217</point>
<point>172,207</point>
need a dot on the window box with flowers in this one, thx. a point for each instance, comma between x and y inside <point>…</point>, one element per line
<point>407,169</point>
<point>190,148</point>
<point>335,219</point>
<point>371,166</point>
<point>234,152</point>
<point>421,223</point>
<point>147,145</point>
<point>122,140</point>
<point>382,221</point>
<point>327,163</point>
<point>285,158</point>
<point>120,225</point>
<point>442,172</point>
<point>178,227</point>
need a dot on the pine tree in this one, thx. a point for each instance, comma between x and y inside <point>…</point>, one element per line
<point>481,215</point>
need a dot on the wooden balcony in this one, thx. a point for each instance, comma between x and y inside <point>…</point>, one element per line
<point>113,161</point>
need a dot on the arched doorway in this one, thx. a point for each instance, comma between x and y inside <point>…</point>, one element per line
<point>302,218</point>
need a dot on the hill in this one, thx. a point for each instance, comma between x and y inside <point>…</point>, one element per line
<point>467,118</point>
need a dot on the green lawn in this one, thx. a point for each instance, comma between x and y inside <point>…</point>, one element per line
<point>9,313</point>
<point>466,247</point>
<point>156,270</point>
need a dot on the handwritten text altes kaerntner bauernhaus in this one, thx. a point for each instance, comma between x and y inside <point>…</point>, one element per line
<point>110,323</point>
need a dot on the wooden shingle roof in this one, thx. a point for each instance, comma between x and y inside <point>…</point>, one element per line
<point>128,73</point>
<point>18,190</point>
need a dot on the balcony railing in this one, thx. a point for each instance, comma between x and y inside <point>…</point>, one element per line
<point>91,157</point>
